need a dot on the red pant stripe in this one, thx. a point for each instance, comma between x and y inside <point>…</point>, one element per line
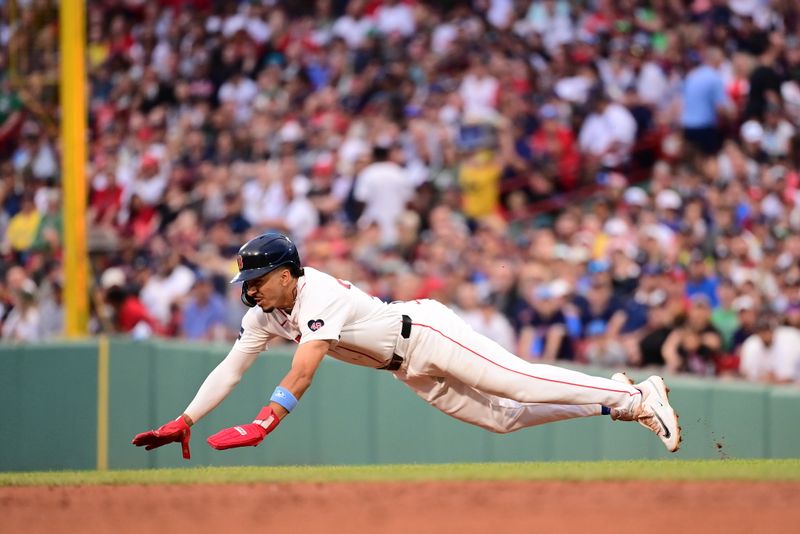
<point>343,347</point>
<point>519,372</point>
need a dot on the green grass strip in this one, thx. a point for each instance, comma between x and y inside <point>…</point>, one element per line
<point>757,470</point>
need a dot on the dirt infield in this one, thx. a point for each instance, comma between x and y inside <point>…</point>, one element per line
<point>436,508</point>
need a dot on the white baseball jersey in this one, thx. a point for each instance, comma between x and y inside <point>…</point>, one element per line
<point>363,330</point>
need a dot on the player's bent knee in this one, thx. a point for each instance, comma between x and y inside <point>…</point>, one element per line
<point>501,430</point>
<point>499,427</point>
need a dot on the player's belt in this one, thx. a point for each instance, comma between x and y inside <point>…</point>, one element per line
<point>397,360</point>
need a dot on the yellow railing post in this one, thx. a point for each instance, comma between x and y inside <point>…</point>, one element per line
<point>102,403</point>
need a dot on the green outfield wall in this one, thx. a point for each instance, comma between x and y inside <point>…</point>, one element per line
<point>77,406</point>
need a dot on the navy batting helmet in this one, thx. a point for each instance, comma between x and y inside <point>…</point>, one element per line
<point>262,255</point>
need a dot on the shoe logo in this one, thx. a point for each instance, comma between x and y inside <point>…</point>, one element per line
<point>667,433</point>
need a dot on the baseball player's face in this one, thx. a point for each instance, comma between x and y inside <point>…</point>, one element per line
<point>273,290</point>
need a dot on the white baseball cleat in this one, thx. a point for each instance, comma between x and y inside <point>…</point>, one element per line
<point>654,412</point>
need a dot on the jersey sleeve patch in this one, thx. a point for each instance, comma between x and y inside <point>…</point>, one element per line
<point>315,324</point>
<point>253,334</point>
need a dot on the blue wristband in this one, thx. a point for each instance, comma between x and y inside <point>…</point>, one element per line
<point>285,398</point>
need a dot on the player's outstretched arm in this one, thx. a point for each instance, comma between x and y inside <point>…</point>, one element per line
<point>218,385</point>
<point>305,363</point>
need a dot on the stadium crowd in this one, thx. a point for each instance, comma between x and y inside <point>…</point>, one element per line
<point>608,182</point>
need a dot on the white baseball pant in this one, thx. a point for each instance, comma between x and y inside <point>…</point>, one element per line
<point>474,379</point>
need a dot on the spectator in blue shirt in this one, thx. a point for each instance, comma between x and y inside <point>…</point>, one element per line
<point>204,312</point>
<point>602,317</point>
<point>544,333</point>
<point>703,100</point>
<point>698,280</point>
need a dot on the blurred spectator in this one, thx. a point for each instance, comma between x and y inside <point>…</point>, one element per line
<point>544,333</point>
<point>23,323</point>
<point>649,349</point>
<point>479,91</point>
<point>203,314</point>
<point>51,309</point>
<point>383,187</point>
<point>22,227</point>
<point>651,82</point>
<point>50,227</point>
<point>752,134</point>
<point>765,81</point>
<point>725,316</point>
<point>11,114</point>
<point>695,344</point>
<point>170,283</point>
<point>239,91</point>
<point>698,281</point>
<point>601,317</point>
<point>125,313</point>
<point>479,178</point>
<point>105,198</point>
<point>778,133</point>
<point>606,137</point>
<point>747,312</point>
<point>703,100</point>
<point>771,353</point>
<point>395,18</point>
<point>353,26</point>
<point>553,146</point>
<point>477,310</point>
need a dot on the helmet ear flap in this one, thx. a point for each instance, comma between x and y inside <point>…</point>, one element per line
<point>247,300</point>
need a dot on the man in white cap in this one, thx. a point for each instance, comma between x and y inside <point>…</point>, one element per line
<point>752,134</point>
<point>668,206</point>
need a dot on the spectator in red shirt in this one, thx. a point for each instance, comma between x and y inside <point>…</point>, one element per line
<point>554,144</point>
<point>105,198</point>
<point>130,313</point>
<point>142,221</point>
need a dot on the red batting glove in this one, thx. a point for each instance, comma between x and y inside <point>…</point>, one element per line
<point>246,435</point>
<point>177,430</point>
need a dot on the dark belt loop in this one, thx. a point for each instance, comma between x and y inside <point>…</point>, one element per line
<point>394,364</point>
<point>397,360</point>
<point>405,331</point>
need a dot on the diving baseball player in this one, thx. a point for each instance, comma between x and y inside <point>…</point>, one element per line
<point>425,345</point>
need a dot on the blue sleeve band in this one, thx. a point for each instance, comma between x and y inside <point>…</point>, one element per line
<point>285,398</point>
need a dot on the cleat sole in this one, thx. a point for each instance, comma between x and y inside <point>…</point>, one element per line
<point>677,418</point>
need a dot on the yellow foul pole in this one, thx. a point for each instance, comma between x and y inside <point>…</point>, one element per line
<point>73,164</point>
